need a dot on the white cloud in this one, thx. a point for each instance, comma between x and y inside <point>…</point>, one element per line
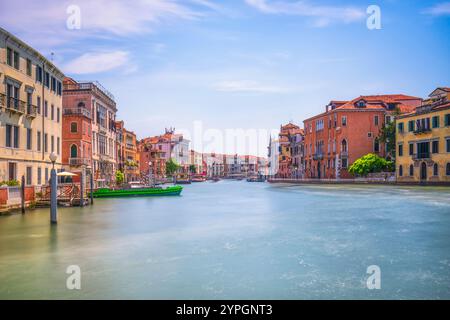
<point>440,9</point>
<point>246,86</point>
<point>96,62</point>
<point>322,15</point>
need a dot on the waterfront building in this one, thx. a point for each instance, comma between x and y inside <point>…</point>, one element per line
<point>215,164</point>
<point>297,150</point>
<point>285,156</point>
<point>180,151</point>
<point>423,141</point>
<point>196,160</point>
<point>348,130</point>
<point>30,112</point>
<point>102,107</point>
<point>127,153</point>
<point>273,157</point>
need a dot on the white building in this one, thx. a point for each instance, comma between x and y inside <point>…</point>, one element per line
<point>181,150</point>
<point>274,153</point>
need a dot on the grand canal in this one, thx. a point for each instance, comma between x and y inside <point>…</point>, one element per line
<point>236,240</point>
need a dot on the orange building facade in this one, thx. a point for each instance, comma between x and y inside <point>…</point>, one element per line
<point>285,161</point>
<point>348,130</point>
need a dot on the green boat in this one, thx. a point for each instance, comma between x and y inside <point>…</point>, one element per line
<point>138,192</point>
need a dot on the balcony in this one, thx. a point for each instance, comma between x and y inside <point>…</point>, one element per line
<point>12,104</point>
<point>344,154</point>
<point>31,111</point>
<point>78,162</point>
<point>422,156</point>
<point>422,130</point>
<point>77,112</point>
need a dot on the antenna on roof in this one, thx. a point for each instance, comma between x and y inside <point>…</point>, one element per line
<point>52,54</point>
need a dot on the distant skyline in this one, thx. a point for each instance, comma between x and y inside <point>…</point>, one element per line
<point>247,64</point>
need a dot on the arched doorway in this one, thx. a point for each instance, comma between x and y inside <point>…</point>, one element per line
<point>423,171</point>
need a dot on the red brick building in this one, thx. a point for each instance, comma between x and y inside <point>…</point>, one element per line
<point>285,161</point>
<point>77,129</point>
<point>348,130</point>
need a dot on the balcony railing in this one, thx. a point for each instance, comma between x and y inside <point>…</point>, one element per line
<point>12,104</point>
<point>422,130</point>
<point>422,156</point>
<point>77,112</point>
<point>344,154</point>
<point>77,162</point>
<point>31,111</point>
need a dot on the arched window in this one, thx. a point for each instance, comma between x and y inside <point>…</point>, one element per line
<point>448,169</point>
<point>74,127</point>
<point>411,170</point>
<point>74,151</point>
<point>435,169</point>
<point>400,171</point>
<point>81,105</point>
<point>344,146</point>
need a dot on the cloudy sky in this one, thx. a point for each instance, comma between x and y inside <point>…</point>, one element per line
<point>237,63</point>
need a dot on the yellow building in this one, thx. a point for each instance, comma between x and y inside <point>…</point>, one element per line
<point>423,141</point>
<point>30,112</point>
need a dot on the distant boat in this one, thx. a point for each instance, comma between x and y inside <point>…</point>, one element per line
<point>216,179</point>
<point>198,178</point>
<point>256,179</point>
<point>138,192</point>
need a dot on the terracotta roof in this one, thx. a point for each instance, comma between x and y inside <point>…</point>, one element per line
<point>380,101</point>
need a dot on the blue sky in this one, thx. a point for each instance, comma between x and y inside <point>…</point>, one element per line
<point>239,63</point>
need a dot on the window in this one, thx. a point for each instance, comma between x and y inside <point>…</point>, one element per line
<point>38,141</point>
<point>47,80</point>
<point>39,176</point>
<point>38,105</point>
<point>73,127</point>
<point>400,171</point>
<point>435,146</point>
<point>46,175</point>
<point>344,163</point>
<point>411,149</point>
<point>411,126</point>
<point>52,112</point>
<point>53,84</point>
<point>344,121</point>
<point>59,88</point>
<point>435,122</point>
<point>9,58</point>
<point>447,120</point>
<point>8,135</point>
<point>400,150</point>
<point>57,115</point>
<point>448,145</point>
<point>376,146</point>
<point>29,138</point>
<point>58,142</point>
<point>52,143</point>
<point>411,170</point>
<point>16,137</point>
<point>12,171</point>
<point>401,127</point>
<point>376,120</point>
<point>447,171</point>
<point>74,151</point>
<point>29,178</point>
<point>46,108</point>
<point>344,146</point>
<point>39,74</point>
<point>16,60</point>
<point>29,67</point>
<point>369,135</point>
<point>435,169</point>
<point>45,142</point>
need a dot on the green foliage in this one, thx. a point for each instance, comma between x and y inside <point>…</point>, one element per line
<point>10,183</point>
<point>120,177</point>
<point>192,168</point>
<point>171,167</point>
<point>387,134</point>
<point>370,163</point>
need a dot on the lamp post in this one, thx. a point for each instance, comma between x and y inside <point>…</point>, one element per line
<point>54,191</point>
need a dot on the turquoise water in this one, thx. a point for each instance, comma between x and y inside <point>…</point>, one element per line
<point>236,240</point>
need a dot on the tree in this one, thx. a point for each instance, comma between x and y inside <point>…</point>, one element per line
<point>370,163</point>
<point>192,168</point>
<point>120,177</point>
<point>171,167</point>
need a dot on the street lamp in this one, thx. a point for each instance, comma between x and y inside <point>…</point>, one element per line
<point>54,190</point>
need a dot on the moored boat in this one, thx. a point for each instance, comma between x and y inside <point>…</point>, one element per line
<point>138,192</point>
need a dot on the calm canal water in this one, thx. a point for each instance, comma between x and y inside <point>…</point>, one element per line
<point>236,240</point>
